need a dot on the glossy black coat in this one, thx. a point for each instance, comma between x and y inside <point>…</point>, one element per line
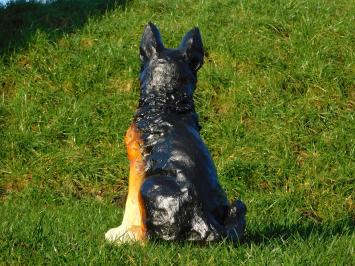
<point>181,193</point>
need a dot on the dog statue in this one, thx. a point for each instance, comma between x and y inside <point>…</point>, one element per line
<point>173,191</point>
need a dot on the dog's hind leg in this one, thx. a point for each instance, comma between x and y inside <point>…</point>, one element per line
<point>132,227</point>
<point>168,207</point>
<point>173,210</point>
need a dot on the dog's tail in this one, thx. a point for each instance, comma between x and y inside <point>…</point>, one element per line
<point>235,222</point>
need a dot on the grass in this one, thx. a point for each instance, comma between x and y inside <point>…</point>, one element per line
<point>276,101</point>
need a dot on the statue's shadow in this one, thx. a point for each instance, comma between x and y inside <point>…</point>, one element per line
<point>302,230</point>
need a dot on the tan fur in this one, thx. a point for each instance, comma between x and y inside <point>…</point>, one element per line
<point>132,227</point>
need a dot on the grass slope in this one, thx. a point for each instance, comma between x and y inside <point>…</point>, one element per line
<point>276,101</point>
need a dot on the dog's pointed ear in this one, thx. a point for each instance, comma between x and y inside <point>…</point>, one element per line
<point>192,47</point>
<point>151,42</point>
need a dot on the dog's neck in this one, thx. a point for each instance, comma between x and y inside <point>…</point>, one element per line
<point>158,108</point>
<point>166,102</point>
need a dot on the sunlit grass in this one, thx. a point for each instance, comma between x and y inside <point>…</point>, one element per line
<point>275,99</point>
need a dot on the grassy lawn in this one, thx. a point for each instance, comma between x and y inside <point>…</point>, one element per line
<point>276,99</point>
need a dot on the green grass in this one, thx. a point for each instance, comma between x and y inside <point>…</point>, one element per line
<point>276,101</point>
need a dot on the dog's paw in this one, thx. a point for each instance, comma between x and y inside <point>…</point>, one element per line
<point>124,234</point>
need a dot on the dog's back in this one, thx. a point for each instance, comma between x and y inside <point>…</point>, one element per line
<point>181,195</point>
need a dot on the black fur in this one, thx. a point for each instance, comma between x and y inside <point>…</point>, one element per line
<point>181,193</point>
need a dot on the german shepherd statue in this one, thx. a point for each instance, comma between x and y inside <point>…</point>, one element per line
<point>173,191</point>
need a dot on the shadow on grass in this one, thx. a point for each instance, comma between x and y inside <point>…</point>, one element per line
<point>20,20</point>
<point>274,232</point>
<point>300,230</point>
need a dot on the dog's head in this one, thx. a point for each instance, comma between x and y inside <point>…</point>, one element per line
<point>169,74</point>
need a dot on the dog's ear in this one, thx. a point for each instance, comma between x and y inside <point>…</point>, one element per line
<point>151,42</point>
<point>191,46</point>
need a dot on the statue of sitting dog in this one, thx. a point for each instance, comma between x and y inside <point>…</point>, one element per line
<point>173,191</point>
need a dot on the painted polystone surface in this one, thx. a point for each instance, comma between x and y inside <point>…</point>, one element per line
<point>173,191</point>
<point>181,194</point>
